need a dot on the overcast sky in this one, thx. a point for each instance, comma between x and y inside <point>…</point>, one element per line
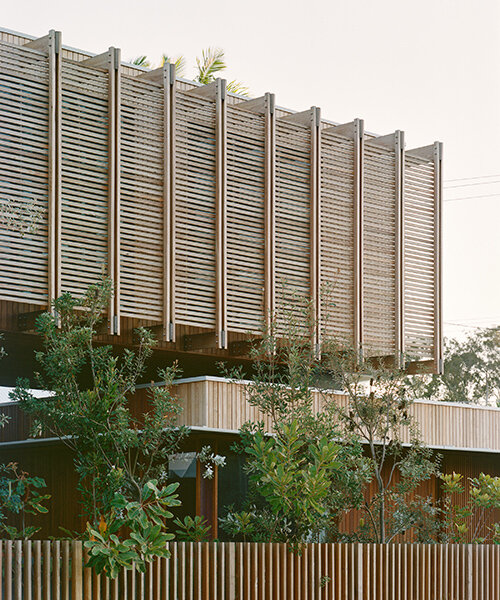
<point>429,67</point>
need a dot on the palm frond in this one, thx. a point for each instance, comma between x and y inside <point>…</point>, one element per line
<point>141,61</point>
<point>236,87</point>
<point>211,62</point>
<point>179,62</point>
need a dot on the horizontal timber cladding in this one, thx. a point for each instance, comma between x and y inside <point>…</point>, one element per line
<point>24,174</point>
<point>337,235</point>
<point>245,219</point>
<point>141,199</point>
<point>293,206</point>
<point>419,249</point>
<point>379,250</point>
<point>84,175</point>
<point>195,282</point>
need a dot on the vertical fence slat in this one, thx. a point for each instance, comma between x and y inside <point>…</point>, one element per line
<point>87,577</point>
<point>56,569</point>
<point>27,571</point>
<point>8,570</point>
<point>46,570</point>
<point>37,570</point>
<point>18,570</point>
<point>76,570</point>
<point>65,576</point>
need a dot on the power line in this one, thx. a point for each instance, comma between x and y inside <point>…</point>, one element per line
<point>470,178</point>
<point>463,325</point>
<point>472,197</point>
<point>450,187</point>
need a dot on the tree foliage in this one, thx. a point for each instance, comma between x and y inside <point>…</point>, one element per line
<point>378,414</point>
<point>468,518</point>
<point>471,370</point>
<point>208,67</point>
<point>114,450</point>
<point>109,552</point>
<point>301,479</point>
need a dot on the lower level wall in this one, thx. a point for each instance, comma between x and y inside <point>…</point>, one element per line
<point>53,462</point>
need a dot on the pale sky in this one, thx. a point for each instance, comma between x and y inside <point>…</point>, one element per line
<point>430,68</point>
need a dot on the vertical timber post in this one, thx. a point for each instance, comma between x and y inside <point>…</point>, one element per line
<point>315,230</point>
<point>438,195</point>
<point>169,202</point>
<point>110,61</point>
<point>114,188</point>
<point>399,146</point>
<point>220,213</point>
<point>358,233</point>
<point>54,202</point>
<point>270,210</point>
<point>51,44</point>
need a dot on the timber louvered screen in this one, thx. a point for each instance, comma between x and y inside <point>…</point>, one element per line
<point>245,220</point>
<point>204,212</point>
<point>195,211</point>
<point>379,250</point>
<point>141,199</point>
<point>337,235</point>
<point>24,106</point>
<point>293,200</point>
<point>84,191</point>
<point>419,249</point>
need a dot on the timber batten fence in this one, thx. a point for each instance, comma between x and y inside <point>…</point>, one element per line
<point>54,570</point>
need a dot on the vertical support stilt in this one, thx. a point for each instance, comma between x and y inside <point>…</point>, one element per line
<point>358,233</point>
<point>221,213</point>
<point>399,148</point>
<point>270,211</point>
<point>438,195</point>
<point>315,231</point>
<point>169,202</point>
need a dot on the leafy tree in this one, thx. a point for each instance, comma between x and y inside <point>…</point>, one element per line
<point>378,414</point>
<point>483,499</point>
<point>109,552</point>
<point>114,450</point>
<point>20,495</point>
<point>471,370</point>
<point>301,479</point>
<point>191,529</point>
<point>19,492</point>
<point>293,478</point>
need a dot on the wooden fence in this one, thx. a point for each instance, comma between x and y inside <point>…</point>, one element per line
<point>54,570</point>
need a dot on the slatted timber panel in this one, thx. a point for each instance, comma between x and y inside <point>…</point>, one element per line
<point>220,404</point>
<point>24,97</point>
<point>245,220</point>
<point>293,199</point>
<point>195,211</point>
<point>379,250</point>
<point>337,235</point>
<point>250,571</point>
<point>141,200</point>
<point>84,217</point>
<point>419,249</point>
<point>84,229</point>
